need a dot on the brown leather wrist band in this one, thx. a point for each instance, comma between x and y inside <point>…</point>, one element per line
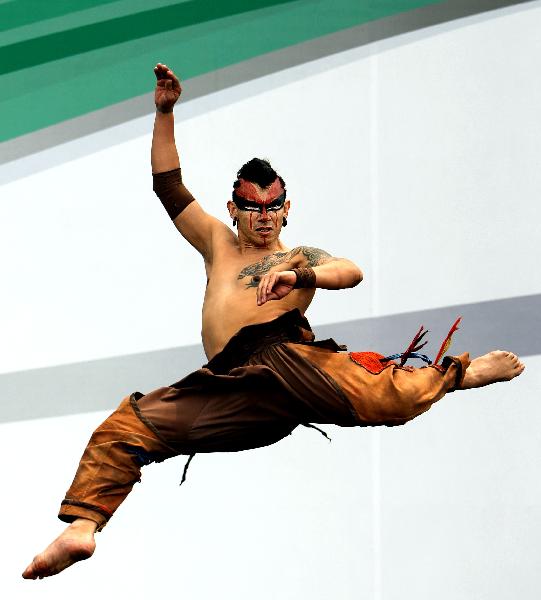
<point>306,277</point>
<point>172,192</point>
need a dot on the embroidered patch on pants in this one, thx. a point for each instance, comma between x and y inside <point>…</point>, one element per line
<point>371,361</point>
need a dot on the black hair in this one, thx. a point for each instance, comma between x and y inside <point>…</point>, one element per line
<point>258,171</point>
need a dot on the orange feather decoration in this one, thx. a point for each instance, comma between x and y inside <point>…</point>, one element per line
<point>447,341</point>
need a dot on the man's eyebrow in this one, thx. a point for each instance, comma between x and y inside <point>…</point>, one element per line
<point>281,198</point>
<point>244,202</point>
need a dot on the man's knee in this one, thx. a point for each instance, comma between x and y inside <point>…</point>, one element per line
<point>125,439</point>
<point>111,464</point>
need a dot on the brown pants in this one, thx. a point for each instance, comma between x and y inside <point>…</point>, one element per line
<point>284,380</point>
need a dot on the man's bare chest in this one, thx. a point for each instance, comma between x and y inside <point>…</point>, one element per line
<point>245,272</point>
<point>234,271</point>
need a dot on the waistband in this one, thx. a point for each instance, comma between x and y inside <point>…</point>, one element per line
<point>289,327</point>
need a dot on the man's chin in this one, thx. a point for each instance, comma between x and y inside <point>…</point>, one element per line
<point>264,239</point>
<point>260,238</point>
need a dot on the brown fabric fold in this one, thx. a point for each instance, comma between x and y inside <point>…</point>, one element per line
<point>111,465</point>
<point>396,394</point>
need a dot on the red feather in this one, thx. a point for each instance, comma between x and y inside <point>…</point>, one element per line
<point>447,341</point>
<point>414,345</point>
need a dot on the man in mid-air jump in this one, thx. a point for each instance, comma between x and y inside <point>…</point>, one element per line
<point>266,374</point>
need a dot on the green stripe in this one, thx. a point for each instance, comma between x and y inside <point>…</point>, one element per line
<point>62,44</point>
<point>26,12</point>
<point>75,15</point>
<point>106,66</point>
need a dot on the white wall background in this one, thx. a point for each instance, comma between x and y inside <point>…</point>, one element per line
<point>418,158</point>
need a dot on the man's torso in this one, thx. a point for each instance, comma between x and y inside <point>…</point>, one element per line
<point>230,297</point>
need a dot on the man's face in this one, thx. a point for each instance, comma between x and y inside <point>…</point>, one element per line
<point>260,211</point>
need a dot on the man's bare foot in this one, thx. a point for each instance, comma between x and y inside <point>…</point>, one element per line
<point>492,367</point>
<point>75,543</point>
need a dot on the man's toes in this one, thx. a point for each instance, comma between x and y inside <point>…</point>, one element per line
<point>32,571</point>
<point>39,567</point>
<point>518,368</point>
<point>512,359</point>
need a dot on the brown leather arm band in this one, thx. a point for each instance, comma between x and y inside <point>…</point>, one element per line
<point>172,192</point>
<point>306,278</point>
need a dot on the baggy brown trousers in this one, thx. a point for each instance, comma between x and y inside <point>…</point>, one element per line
<point>269,379</point>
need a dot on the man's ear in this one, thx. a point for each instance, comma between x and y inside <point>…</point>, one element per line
<point>232,208</point>
<point>287,205</point>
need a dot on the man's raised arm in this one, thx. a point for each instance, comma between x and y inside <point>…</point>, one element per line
<point>189,218</point>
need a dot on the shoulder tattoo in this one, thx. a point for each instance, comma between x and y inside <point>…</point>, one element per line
<point>313,257</point>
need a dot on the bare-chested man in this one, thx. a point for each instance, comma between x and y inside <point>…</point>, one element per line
<point>266,374</point>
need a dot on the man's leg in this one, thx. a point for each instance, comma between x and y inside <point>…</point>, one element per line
<point>109,467</point>
<point>203,413</point>
<point>393,395</point>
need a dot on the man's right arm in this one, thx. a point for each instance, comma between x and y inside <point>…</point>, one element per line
<point>190,219</point>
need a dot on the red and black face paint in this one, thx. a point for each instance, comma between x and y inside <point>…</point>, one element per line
<point>249,197</point>
<point>256,200</point>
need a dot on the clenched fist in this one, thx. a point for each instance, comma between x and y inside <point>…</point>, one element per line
<point>167,90</point>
